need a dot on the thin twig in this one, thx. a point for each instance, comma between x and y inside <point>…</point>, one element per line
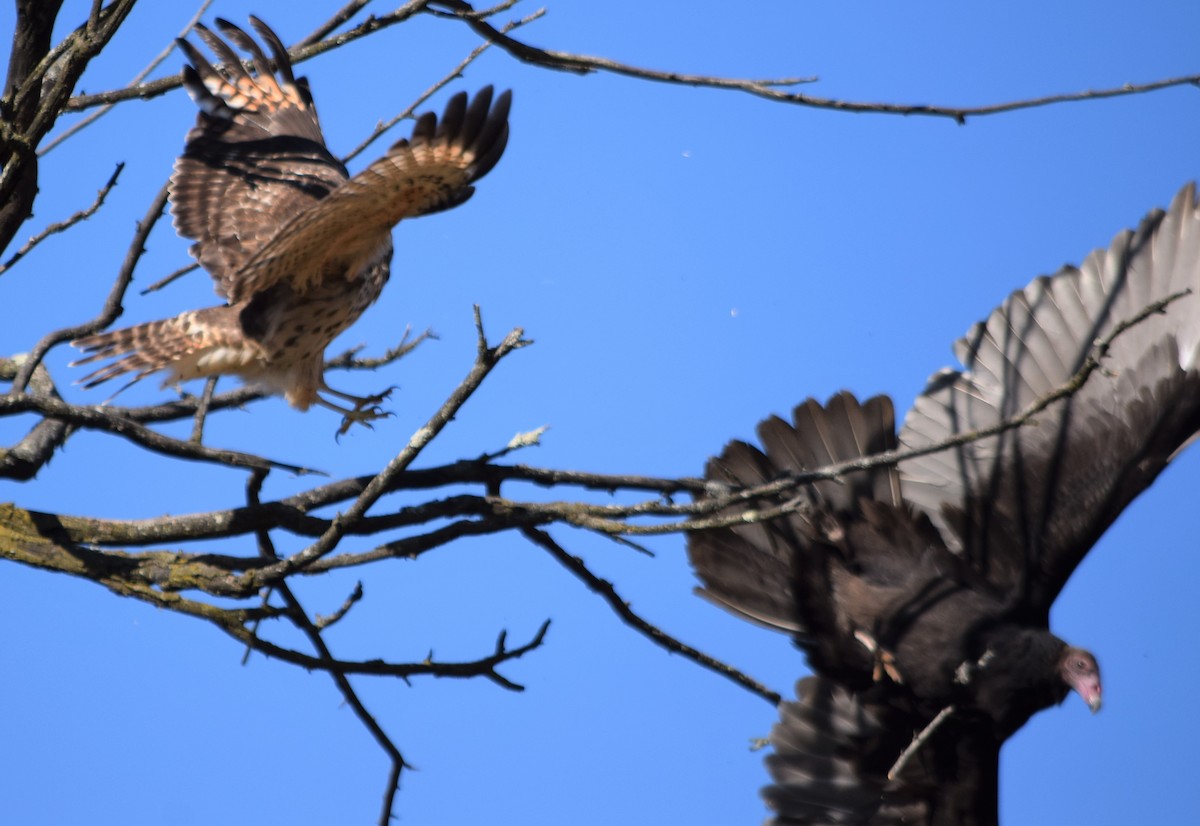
<point>62,226</point>
<point>339,17</point>
<point>210,385</point>
<point>456,72</point>
<point>652,632</point>
<point>918,741</point>
<point>112,305</point>
<point>349,360</point>
<point>486,360</point>
<point>100,418</point>
<point>138,78</point>
<point>323,622</point>
<point>299,618</point>
<point>169,278</point>
<point>771,89</point>
<point>297,54</point>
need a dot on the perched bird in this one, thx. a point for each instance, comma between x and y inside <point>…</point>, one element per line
<point>298,248</point>
<point>921,591</point>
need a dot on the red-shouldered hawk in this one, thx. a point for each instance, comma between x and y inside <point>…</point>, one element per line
<point>297,247</point>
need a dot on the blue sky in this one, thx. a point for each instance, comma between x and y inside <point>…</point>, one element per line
<point>687,262</point>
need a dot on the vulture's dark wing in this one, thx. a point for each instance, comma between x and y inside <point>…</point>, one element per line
<point>850,564</point>
<point>1026,506</point>
<point>926,588</point>
<point>748,568</point>
<point>255,157</point>
<point>834,749</point>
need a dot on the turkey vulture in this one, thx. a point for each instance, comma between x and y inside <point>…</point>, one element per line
<point>921,591</point>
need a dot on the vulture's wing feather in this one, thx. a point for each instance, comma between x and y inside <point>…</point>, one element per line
<point>834,751</point>
<point>921,593</point>
<point>868,589</point>
<point>1024,507</point>
<point>851,557</point>
<point>748,568</point>
<point>822,753</point>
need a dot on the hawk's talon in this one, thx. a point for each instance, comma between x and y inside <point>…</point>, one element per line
<point>366,408</point>
<point>363,417</point>
<point>379,397</point>
<point>359,401</point>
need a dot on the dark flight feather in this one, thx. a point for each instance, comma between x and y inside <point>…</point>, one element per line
<point>926,587</point>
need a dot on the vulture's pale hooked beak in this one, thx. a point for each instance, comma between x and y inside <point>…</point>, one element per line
<point>1080,671</point>
<point>1089,690</point>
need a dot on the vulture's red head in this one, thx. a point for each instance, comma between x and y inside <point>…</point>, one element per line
<point>1081,672</point>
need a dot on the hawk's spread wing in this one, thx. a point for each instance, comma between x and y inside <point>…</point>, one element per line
<point>429,172</point>
<point>297,247</point>
<point>255,158</point>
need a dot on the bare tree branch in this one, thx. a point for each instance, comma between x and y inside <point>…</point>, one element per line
<point>23,460</point>
<point>100,418</point>
<point>85,122</point>
<point>486,359</point>
<point>918,741</point>
<point>652,632</point>
<point>338,18</point>
<point>210,386</point>
<point>155,560</point>
<point>300,619</point>
<point>170,278</point>
<point>349,359</point>
<point>18,182</point>
<point>39,83</point>
<point>297,54</point>
<point>63,226</point>
<point>772,89</point>
<point>112,306</point>
<point>337,616</point>
<point>292,513</point>
<point>456,72</point>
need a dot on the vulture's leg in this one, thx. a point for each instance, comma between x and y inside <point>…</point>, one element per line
<point>885,661</point>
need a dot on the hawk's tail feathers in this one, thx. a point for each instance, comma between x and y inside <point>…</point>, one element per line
<point>178,344</point>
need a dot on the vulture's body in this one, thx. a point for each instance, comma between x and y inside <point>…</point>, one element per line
<point>921,592</point>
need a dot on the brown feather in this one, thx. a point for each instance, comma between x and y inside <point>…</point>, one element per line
<point>430,172</point>
<point>297,247</point>
<point>169,344</point>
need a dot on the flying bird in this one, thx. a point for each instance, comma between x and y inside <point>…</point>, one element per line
<point>298,248</point>
<point>921,591</point>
